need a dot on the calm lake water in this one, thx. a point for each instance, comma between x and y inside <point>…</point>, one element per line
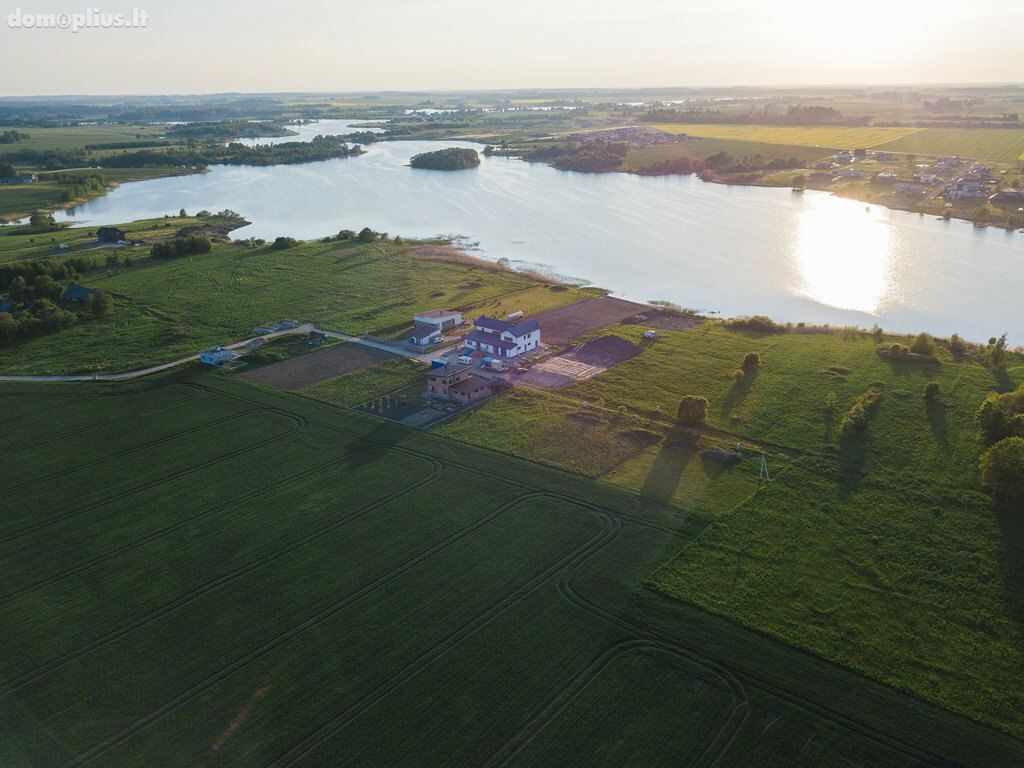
<point>731,250</point>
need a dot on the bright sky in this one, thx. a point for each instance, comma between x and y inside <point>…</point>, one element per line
<point>208,46</point>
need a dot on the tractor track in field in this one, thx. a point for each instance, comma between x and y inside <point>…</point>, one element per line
<point>181,524</point>
<point>300,423</point>
<point>557,703</point>
<point>191,395</point>
<point>13,684</point>
<point>607,532</point>
<point>287,635</point>
<point>849,724</point>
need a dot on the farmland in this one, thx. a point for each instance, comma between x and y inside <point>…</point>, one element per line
<point>879,551</point>
<point>994,144</point>
<point>260,579</point>
<point>808,136</point>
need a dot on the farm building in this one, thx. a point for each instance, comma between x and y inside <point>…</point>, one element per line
<point>424,335</point>
<point>455,382</point>
<point>439,319</point>
<point>76,292</point>
<point>110,235</point>
<point>503,338</point>
<point>215,356</point>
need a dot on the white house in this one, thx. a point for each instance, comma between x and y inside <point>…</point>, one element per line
<point>439,319</point>
<point>909,187</point>
<point>503,338</point>
<point>425,335</point>
<point>215,356</point>
<point>968,188</point>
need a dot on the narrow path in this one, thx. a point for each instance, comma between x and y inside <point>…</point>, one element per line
<point>304,328</point>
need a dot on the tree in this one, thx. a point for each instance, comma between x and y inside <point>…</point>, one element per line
<point>1002,416</point>
<point>1002,467</point>
<point>752,360</point>
<point>8,326</point>
<point>957,346</point>
<point>41,221</point>
<point>182,213</point>
<point>931,390</point>
<point>799,181</point>
<point>876,333</point>
<point>692,409</point>
<point>19,290</point>
<point>46,286</point>
<point>923,344</point>
<point>99,303</point>
<point>367,235</point>
<point>997,350</point>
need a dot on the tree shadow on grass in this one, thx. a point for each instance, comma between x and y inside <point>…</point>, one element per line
<point>368,448</point>
<point>935,412</point>
<point>738,392</point>
<point>1003,383</point>
<point>675,453</point>
<point>1010,514</point>
<point>853,451</point>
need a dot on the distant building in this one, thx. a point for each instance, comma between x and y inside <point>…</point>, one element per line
<point>885,177</point>
<point>966,188</point>
<point>1008,196</point>
<point>821,178</point>
<point>502,337</point>
<point>843,157</point>
<point>215,356</point>
<point>110,235</point>
<point>441,319</point>
<point>851,173</point>
<point>77,293</point>
<point>909,187</point>
<point>883,157</point>
<point>455,382</point>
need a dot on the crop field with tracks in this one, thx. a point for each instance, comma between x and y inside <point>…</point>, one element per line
<point>199,570</point>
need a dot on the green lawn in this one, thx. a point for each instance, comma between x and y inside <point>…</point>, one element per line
<point>862,550</point>
<point>229,573</point>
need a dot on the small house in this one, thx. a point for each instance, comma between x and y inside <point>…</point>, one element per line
<point>439,319</point>
<point>110,235</point>
<point>77,293</point>
<point>215,356</point>
<point>456,383</point>
<point>914,187</point>
<point>425,335</point>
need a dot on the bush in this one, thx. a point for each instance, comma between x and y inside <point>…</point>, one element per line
<point>1002,416</point>
<point>181,246</point>
<point>281,243</point>
<point>856,419</point>
<point>957,346</point>
<point>752,360</point>
<point>367,235</point>
<point>692,409</point>
<point>923,344</point>
<point>1002,467</point>
<point>931,390</point>
<point>758,323</point>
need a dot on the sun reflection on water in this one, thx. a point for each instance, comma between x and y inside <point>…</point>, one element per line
<point>843,255</point>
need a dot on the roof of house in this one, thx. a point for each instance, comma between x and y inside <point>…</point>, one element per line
<point>500,326</point>
<point>471,384</point>
<point>437,314</point>
<point>489,338</point>
<point>446,370</point>
<point>424,331</point>
<point>77,292</point>
<point>109,231</point>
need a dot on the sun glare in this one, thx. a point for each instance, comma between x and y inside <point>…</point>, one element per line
<point>842,255</point>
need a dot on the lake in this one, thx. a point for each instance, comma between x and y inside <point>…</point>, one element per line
<point>724,249</point>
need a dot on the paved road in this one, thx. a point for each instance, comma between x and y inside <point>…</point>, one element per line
<point>305,328</point>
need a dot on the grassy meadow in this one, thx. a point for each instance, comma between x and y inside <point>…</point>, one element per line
<point>838,137</point>
<point>168,309</point>
<point>237,575</point>
<point>881,551</point>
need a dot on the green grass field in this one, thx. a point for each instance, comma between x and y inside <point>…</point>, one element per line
<point>169,309</point>
<point>202,570</point>
<point>861,550</point>
<point>808,136</point>
<point>990,143</point>
<point>80,136</point>
<point>701,149</point>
